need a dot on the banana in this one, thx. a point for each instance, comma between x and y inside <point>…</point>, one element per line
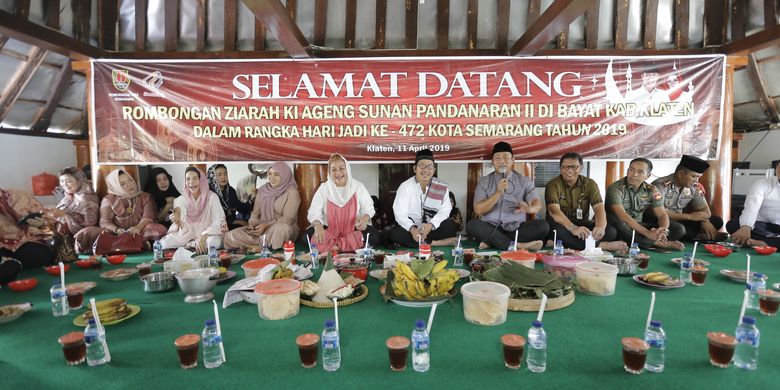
<point>439,267</point>
<point>108,303</point>
<point>404,269</point>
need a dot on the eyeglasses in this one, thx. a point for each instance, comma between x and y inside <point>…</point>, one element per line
<point>572,167</point>
<point>426,167</point>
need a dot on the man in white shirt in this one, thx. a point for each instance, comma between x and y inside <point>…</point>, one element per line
<point>759,223</point>
<point>422,207</point>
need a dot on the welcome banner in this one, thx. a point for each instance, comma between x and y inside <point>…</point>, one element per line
<point>386,109</point>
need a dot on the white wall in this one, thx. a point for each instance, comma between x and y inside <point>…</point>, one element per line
<point>23,157</point>
<point>765,152</point>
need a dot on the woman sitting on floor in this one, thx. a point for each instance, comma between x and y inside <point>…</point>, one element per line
<point>79,208</point>
<point>24,239</point>
<point>160,186</point>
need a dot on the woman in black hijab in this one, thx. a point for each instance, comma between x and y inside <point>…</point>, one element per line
<point>160,186</point>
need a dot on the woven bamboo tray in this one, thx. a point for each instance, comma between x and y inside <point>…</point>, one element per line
<point>534,304</point>
<point>346,302</point>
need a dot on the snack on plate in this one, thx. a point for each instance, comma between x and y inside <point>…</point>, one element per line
<point>658,278</point>
<point>341,292</point>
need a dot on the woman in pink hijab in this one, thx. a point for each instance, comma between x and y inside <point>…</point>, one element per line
<point>125,209</point>
<point>197,215</point>
<point>275,213</point>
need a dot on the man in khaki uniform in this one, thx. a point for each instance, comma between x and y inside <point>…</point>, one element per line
<point>628,199</point>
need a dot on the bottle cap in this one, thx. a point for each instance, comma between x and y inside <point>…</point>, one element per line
<point>420,324</point>
<point>537,324</point>
<point>748,320</point>
<point>559,242</point>
<point>330,323</point>
<point>758,275</point>
<point>91,321</point>
<point>655,323</point>
<point>211,322</point>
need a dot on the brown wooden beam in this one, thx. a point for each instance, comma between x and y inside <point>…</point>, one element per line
<point>292,8</point>
<point>381,24</point>
<point>502,24</point>
<point>52,14</point>
<point>42,119</point>
<point>259,35</point>
<point>171,25</point>
<point>140,24</point>
<point>230,24</point>
<point>739,10</point>
<point>472,19</point>
<point>19,81</point>
<point>534,10</point>
<point>82,13</point>
<point>621,24</point>
<point>348,53</point>
<point>22,8</point>
<point>13,131</point>
<point>198,55</point>
<point>108,14</point>
<point>557,16</point>
<point>752,43</point>
<point>627,52</point>
<point>759,86</point>
<point>650,24</point>
<point>350,24</point>
<point>681,15</point>
<point>716,14</point>
<point>443,24</point>
<point>200,29</point>
<point>320,22</point>
<point>411,24</point>
<point>46,38</point>
<point>277,20</point>
<point>592,25</point>
<point>770,13</point>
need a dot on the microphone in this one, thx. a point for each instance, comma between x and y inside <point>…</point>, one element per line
<point>502,171</point>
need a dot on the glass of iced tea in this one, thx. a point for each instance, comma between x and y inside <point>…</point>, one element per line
<point>307,348</point>
<point>379,258</point>
<point>513,350</point>
<point>73,348</point>
<point>75,298</point>
<point>144,269</point>
<point>698,275</point>
<point>187,349</point>
<point>398,347</point>
<point>468,257</point>
<point>634,354</point>
<point>768,302</point>
<point>721,348</point>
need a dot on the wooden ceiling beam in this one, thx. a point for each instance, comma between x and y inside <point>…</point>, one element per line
<point>627,52</point>
<point>557,16</point>
<point>412,6</point>
<point>46,38</point>
<point>739,10</point>
<point>592,25</point>
<point>259,35</point>
<point>171,25</point>
<point>82,13</point>
<point>200,25</point>
<point>716,14</point>
<point>108,14</point>
<point>442,24</point>
<point>13,131</point>
<point>320,22</point>
<point>52,13</point>
<point>42,120</point>
<point>650,23</point>
<point>534,10</point>
<point>381,24</point>
<point>277,20</point>
<point>681,17</point>
<point>198,55</point>
<point>350,23</point>
<point>752,43</point>
<point>354,53</point>
<point>759,86</point>
<point>22,8</point>
<point>292,9</point>
<point>621,24</point>
<point>19,80</point>
<point>230,24</point>
<point>770,13</point>
<point>502,24</point>
<point>472,20</point>
<point>140,25</point>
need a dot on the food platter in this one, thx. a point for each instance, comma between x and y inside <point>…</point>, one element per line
<point>698,262</point>
<point>119,273</point>
<point>361,294</point>
<point>738,276</point>
<point>678,284</point>
<point>12,312</point>
<point>86,286</point>
<point>428,303</point>
<point>226,276</point>
<point>134,310</point>
<point>462,273</point>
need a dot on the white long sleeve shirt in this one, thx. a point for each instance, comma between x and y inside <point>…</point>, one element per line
<point>762,203</point>
<point>408,206</point>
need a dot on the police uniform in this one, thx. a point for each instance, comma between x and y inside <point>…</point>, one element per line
<point>636,202</point>
<point>575,202</point>
<point>684,199</point>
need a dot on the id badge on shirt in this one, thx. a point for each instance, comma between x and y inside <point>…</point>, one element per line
<point>579,213</point>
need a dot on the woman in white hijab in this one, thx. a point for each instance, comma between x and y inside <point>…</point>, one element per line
<point>341,210</point>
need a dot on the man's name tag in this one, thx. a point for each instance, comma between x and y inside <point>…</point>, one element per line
<point>579,213</point>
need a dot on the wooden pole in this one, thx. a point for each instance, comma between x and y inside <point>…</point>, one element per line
<point>309,177</point>
<point>615,171</point>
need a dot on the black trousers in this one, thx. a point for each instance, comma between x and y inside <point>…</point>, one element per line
<point>30,254</point>
<point>402,237</point>
<point>500,239</point>
<point>690,229</point>
<point>574,242</point>
<point>373,240</point>
<point>676,231</point>
<point>760,231</point>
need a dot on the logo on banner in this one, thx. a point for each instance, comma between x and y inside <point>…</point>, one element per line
<point>153,81</point>
<point>121,79</point>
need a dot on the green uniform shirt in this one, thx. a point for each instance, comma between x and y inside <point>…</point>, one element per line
<point>575,202</point>
<point>677,199</point>
<point>635,201</point>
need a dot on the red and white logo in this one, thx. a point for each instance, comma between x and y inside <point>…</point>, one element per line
<point>121,79</point>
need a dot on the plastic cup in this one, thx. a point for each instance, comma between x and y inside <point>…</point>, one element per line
<point>425,251</point>
<point>307,348</point>
<point>634,354</point>
<point>698,275</point>
<point>379,258</point>
<point>398,348</point>
<point>187,349</point>
<point>73,348</point>
<point>75,298</point>
<point>468,257</point>
<point>144,269</point>
<point>768,302</point>
<point>225,261</point>
<point>513,350</point>
<point>721,348</point>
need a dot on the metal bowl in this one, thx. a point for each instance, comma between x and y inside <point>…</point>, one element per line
<point>625,265</point>
<point>158,282</point>
<point>198,283</point>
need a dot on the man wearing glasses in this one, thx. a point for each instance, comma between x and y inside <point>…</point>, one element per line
<point>422,207</point>
<point>569,197</point>
<point>628,199</point>
<point>502,200</point>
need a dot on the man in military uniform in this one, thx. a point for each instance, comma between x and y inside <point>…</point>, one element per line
<point>684,200</point>
<point>569,198</point>
<point>628,199</point>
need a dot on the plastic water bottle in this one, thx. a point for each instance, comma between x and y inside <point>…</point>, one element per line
<point>315,256</point>
<point>656,339</point>
<point>457,253</point>
<point>536,359</point>
<point>558,249</point>
<point>685,268</point>
<point>633,252</point>
<point>59,300</point>
<point>421,358</point>
<point>212,342</point>
<point>756,285</point>
<point>213,255</point>
<point>158,250</point>
<point>331,351</point>
<point>97,349</point>
<point>746,352</point>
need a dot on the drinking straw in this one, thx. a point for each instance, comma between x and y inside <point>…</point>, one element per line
<point>515,246</point>
<point>219,330</point>
<point>744,305</point>
<point>336,311</point>
<point>555,238</point>
<point>633,234</point>
<point>650,312</point>
<point>693,254</point>
<point>263,241</point>
<point>307,241</point>
<point>98,323</point>
<point>458,246</point>
<point>541,307</point>
<point>748,276</point>
<point>430,318</point>
<point>419,240</point>
<point>62,275</point>
<point>365,248</point>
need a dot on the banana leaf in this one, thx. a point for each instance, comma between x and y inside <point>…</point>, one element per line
<point>422,268</point>
<point>526,283</point>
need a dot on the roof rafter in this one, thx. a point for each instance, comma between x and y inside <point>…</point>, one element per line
<point>557,16</point>
<point>19,81</point>
<point>43,117</point>
<point>277,20</point>
<point>752,43</point>
<point>759,86</point>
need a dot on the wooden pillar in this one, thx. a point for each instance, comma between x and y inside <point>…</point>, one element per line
<point>83,156</point>
<point>527,169</point>
<point>309,177</point>
<point>472,178</point>
<point>615,171</point>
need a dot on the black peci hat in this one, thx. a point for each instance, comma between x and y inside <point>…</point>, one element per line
<point>694,163</point>
<point>502,147</point>
<point>424,154</point>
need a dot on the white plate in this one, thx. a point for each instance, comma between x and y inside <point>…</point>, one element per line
<point>679,284</point>
<point>379,274</point>
<point>462,273</point>
<point>736,275</point>
<point>227,276</point>
<point>119,273</point>
<point>27,306</point>
<point>417,304</point>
